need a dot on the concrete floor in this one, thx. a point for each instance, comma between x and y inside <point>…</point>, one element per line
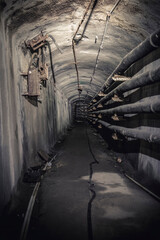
<point>120,209</point>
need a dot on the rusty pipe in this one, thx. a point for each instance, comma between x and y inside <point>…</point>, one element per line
<point>102,41</point>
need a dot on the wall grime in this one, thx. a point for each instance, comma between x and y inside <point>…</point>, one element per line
<point>26,125</point>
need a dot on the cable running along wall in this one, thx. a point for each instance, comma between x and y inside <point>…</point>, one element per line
<point>102,42</point>
<point>75,41</point>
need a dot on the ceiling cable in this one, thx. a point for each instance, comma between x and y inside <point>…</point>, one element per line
<point>86,24</point>
<point>73,45</point>
<point>57,46</point>
<point>102,41</point>
<point>75,61</point>
<point>51,61</point>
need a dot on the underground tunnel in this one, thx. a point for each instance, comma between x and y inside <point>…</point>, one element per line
<point>80,119</point>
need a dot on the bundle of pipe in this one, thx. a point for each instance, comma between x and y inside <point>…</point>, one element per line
<point>136,81</point>
<point>146,105</point>
<point>146,133</point>
<point>147,46</point>
<point>144,48</point>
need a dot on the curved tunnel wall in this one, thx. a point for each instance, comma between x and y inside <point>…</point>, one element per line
<point>27,125</point>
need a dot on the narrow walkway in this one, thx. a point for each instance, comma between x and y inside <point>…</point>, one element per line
<point>120,210</point>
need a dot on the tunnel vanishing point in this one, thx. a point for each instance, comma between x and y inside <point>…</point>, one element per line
<point>91,66</point>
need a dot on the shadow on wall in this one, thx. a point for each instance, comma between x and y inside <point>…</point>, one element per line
<point>32,100</point>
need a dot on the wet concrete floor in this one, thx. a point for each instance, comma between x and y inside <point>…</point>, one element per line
<point>75,204</point>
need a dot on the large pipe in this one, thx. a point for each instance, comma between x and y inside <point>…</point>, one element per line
<point>146,105</point>
<point>144,48</point>
<point>136,81</point>
<point>74,42</point>
<point>149,134</point>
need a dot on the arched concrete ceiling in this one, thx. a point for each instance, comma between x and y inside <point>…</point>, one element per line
<point>130,23</point>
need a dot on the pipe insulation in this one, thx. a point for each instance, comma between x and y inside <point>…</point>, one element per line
<point>149,134</point>
<point>74,42</point>
<point>144,48</point>
<point>147,46</point>
<point>136,81</point>
<point>146,105</point>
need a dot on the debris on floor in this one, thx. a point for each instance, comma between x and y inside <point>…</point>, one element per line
<point>48,165</point>
<point>45,157</point>
<point>33,175</point>
<point>119,160</point>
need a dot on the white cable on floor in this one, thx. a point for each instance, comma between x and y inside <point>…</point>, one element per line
<point>28,214</point>
<point>145,189</point>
